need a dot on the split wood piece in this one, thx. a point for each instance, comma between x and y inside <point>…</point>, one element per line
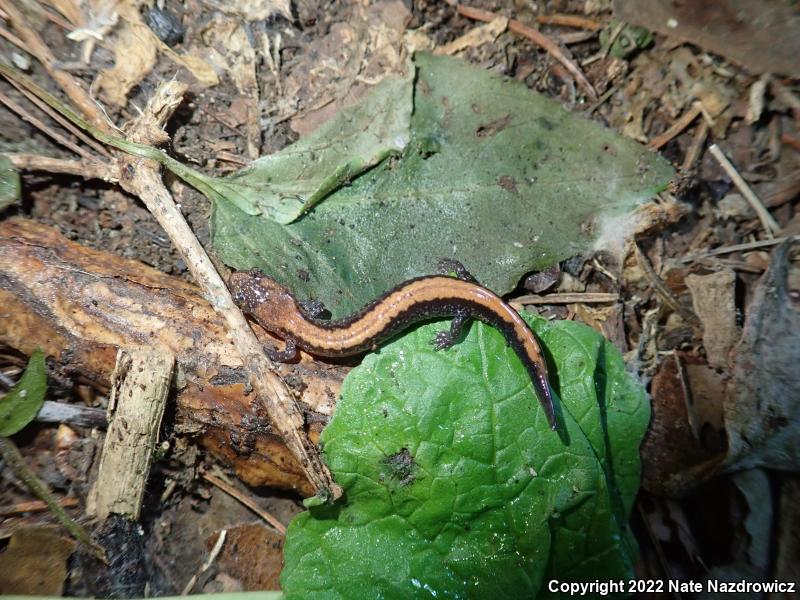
<point>537,38</point>
<point>139,391</point>
<point>80,305</point>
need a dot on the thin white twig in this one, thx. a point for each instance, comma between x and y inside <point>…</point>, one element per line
<point>767,220</point>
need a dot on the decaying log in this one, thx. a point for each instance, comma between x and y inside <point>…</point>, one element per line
<point>80,305</point>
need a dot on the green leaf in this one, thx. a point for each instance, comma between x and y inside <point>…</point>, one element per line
<point>454,484</point>
<point>10,188</point>
<point>23,401</point>
<point>502,179</point>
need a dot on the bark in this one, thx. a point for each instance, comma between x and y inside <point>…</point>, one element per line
<point>80,305</point>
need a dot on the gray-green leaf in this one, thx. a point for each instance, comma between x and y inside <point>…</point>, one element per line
<point>500,178</point>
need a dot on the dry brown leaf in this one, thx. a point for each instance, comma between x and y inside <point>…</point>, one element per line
<point>200,68</point>
<point>759,35</point>
<point>263,548</point>
<point>607,320</point>
<point>135,54</point>
<point>35,562</point>
<point>762,406</point>
<point>677,451</point>
<point>339,68</point>
<point>714,303</point>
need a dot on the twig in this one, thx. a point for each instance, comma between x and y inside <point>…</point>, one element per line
<point>686,313</point>
<point>247,501</point>
<point>739,248</point>
<point>88,169</point>
<point>677,127</point>
<point>570,21</point>
<point>566,298</point>
<point>35,506</point>
<point>4,33</point>
<point>696,148</point>
<point>62,121</point>
<point>537,38</point>
<point>612,38</point>
<point>576,37</point>
<point>602,99</point>
<point>212,556</point>
<point>41,126</point>
<point>12,457</point>
<point>767,221</point>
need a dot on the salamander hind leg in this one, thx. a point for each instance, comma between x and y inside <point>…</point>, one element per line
<point>446,339</point>
<point>449,265</point>
<point>288,353</point>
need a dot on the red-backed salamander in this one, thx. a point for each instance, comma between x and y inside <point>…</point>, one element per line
<point>423,298</point>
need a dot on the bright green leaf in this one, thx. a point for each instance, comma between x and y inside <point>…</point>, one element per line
<point>498,177</point>
<point>455,487</point>
<point>10,188</point>
<point>23,401</point>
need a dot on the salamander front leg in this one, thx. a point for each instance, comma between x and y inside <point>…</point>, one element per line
<point>288,353</point>
<point>449,265</point>
<point>446,339</point>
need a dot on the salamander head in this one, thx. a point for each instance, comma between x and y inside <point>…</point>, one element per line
<point>263,298</point>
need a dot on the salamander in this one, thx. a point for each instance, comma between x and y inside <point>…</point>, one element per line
<point>423,298</point>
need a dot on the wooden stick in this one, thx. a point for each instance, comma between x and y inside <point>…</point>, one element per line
<point>686,313</point>
<point>139,392</point>
<point>537,38</point>
<point>41,126</point>
<point>767,220</point>
<point>739,248</point>
<point>66,124</point>
<point>570,21</point>
<point>677,127</point>
<point>247,501</point>
<point>566,298</point>
<point>700,135</point>
<point>88,169</point>
<point>36,506</point>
